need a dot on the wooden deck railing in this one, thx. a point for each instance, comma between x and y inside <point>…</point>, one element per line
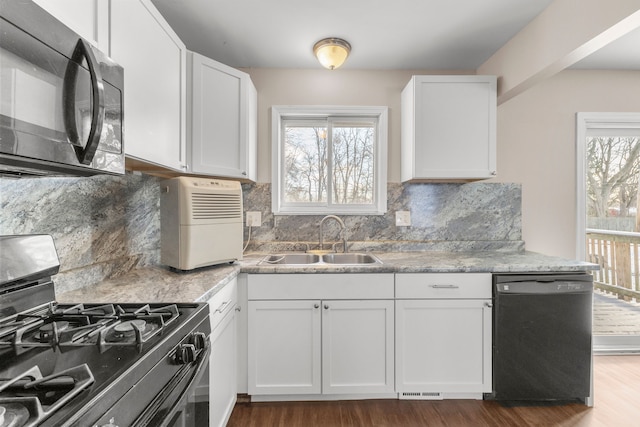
<point>618,254</point>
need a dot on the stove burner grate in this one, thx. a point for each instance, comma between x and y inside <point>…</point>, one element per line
<point>66,327</point>
<point>24,397</point>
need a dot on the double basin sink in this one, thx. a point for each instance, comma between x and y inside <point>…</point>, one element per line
<point>313,259</point>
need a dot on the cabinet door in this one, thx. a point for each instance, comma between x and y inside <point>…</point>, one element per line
<point>88,18</point>
<point>222,370</point>
<point>154,59</point>
<point>284,347</point>
<point>223,379</point>
<point>443,346</point>
<point>222,135</point>
<point>449,128</point>
<point>357,347</point>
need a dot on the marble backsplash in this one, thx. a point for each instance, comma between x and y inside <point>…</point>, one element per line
<point>104,226</point>
<point>449,217</point>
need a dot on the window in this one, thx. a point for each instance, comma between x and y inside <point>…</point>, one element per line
<point>329,160</point>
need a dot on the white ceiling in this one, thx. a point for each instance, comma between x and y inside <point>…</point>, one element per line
<point>384,34</point>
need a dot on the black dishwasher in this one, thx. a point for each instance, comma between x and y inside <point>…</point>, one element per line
<point>542,336</point>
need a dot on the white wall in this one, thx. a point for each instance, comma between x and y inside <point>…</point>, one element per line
<point>536,147</point>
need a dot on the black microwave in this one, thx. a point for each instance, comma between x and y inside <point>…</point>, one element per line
<point>61,99</point>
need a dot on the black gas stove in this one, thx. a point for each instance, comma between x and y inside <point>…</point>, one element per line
<point>91,364</point>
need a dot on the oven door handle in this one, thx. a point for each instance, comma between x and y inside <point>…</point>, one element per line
<point>153,416</point>
<point>83,50</point>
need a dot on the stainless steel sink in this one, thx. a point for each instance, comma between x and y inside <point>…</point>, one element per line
<point>291,259</point>
<point>313,259</point>
<point>350,258</point>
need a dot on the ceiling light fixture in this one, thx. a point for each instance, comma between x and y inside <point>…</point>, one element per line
<point>331,52</point>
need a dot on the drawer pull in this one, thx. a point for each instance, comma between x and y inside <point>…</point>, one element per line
<point>222,307</point>
<point>445,286</point>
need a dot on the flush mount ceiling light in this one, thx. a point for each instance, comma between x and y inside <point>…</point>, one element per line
<point>331,52</point>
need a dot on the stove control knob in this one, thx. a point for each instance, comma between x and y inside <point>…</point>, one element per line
<point>185,353</point>
<point>199,340</point>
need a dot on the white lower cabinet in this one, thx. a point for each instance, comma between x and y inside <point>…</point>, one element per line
<point>329,346</point>
<point>443,335</point>
<point>223,362</point>
<point>284,347</point>
<point>357,347</point>
<point>346,335</point>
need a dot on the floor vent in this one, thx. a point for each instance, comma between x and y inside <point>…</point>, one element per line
<point>421,396</point>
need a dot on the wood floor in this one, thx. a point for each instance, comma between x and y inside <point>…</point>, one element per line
<point>617,404</point>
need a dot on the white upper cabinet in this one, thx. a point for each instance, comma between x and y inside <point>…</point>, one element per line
<point>449,128</point>
<point>88,18</point>
<point>154,60</point>
<point>222,105</point>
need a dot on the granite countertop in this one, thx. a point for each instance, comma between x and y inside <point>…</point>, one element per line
<point>160,284</point>
<point>156,284</point>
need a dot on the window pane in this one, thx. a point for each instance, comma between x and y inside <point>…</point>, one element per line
<point>612,180</point>
<point>353,163</point>
<point>305,164</point>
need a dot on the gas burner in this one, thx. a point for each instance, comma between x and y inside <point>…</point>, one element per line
<point>50,331</point>
<point>13,414</point>
<point>127,329</point>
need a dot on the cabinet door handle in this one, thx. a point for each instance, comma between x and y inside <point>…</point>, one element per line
<point>316,305</point>
<point>326,306</point>
<point>488,304</point>
<point>222,306</point>
<point>445,286</point>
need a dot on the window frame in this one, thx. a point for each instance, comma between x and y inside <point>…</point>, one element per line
<point>281,113</point>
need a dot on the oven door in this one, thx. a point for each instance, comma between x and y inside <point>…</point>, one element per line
<point>182,403</point>
<point>166,396</point>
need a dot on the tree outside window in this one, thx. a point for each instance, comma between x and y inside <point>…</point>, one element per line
<point>612,180</point>
<point>333,163</point>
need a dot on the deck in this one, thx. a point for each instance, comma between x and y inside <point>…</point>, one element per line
<point>613,316</point>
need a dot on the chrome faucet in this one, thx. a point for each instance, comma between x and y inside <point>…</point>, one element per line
<point>343,230</point>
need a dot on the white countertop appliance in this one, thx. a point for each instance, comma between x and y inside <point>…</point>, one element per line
<point>200,221</point>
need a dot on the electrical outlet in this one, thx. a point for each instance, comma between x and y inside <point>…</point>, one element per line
<point>254,219</point>
<point>403,218</point>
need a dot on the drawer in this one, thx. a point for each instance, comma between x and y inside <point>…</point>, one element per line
<point>320,286</point>
<point>223,302</point>
<point>443,285</point>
